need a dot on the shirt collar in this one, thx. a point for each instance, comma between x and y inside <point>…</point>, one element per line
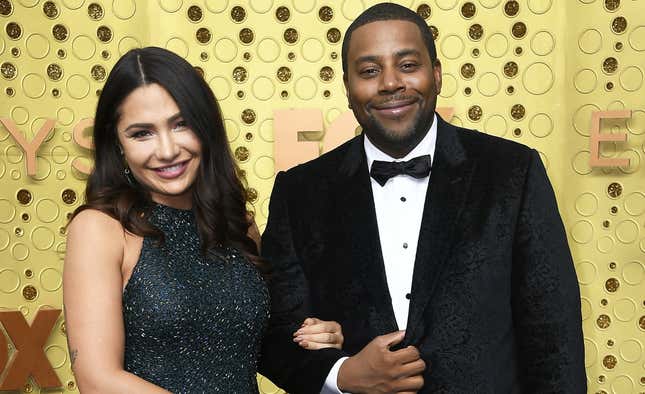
<point>425,147</point>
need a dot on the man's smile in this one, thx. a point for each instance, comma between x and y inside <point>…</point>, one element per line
<point>395,108</point>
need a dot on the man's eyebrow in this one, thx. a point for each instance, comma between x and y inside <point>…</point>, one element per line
<point>398,54</point>
<point>407,52</point>
<point>367,59</point>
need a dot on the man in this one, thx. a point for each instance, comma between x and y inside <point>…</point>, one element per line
<point>469,257</point>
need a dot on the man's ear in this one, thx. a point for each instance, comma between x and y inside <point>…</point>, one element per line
<point>436,74</point>
<point>345,83</point>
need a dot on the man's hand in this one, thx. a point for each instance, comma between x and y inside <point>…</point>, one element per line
<point>377,369</point>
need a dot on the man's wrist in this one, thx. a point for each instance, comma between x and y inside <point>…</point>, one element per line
<point>344,379</point>
<point>331,383</point>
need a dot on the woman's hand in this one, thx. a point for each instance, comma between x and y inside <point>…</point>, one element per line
<point>317,334</point>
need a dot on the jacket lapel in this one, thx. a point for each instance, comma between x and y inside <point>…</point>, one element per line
<point>358,226</point>
<point>447,192</point>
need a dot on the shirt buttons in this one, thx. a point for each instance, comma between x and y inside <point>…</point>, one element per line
<point>404,199</point>
<point>408,296</point>
<point>405,245</point>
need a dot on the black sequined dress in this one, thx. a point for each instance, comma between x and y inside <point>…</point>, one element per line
<point>193,324</point>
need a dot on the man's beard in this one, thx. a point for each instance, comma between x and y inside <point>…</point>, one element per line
<point>420,125</point>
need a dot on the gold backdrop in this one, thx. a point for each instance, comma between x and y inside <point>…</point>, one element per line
<point>532,71</point>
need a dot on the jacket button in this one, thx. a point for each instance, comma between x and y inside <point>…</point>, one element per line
<point>408,296</point>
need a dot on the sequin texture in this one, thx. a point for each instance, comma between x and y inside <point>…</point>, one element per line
<point>193,323</point>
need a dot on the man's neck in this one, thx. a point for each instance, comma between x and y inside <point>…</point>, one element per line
<point>396,150</point>
<point>423,147</point>
<point>399,149</point>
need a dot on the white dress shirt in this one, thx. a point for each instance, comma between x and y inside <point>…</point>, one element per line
<point>399,210</point>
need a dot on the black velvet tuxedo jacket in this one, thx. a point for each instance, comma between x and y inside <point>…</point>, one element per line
<point>495,304</point>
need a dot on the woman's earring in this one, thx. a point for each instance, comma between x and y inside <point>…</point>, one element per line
<point>128,176</point>
<point>126,170</point>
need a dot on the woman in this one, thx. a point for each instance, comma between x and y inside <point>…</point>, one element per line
<point>162,283</point>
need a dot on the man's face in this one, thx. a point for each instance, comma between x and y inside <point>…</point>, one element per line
<point>392,84</point>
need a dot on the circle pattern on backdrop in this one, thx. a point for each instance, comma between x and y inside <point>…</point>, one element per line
<point>502,73</point>
<point>538,78</point>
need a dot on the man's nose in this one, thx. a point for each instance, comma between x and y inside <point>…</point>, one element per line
<point>391,80</point>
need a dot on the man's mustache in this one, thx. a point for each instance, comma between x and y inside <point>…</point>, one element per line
<point>398,98</point>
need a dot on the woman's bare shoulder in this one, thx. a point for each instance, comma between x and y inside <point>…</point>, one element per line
<point>92,220</point>
<point>93,230</point>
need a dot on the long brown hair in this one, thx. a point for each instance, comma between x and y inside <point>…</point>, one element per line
<point>219,202</point>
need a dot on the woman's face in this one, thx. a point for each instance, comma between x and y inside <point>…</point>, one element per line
<point>162,152</point>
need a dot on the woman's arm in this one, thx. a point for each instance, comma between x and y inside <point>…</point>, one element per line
<point>92,291</point>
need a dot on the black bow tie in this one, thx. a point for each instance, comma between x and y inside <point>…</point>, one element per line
<point>419,167</point>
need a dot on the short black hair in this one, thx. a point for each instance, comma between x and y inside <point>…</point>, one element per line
<point>388,12</point>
